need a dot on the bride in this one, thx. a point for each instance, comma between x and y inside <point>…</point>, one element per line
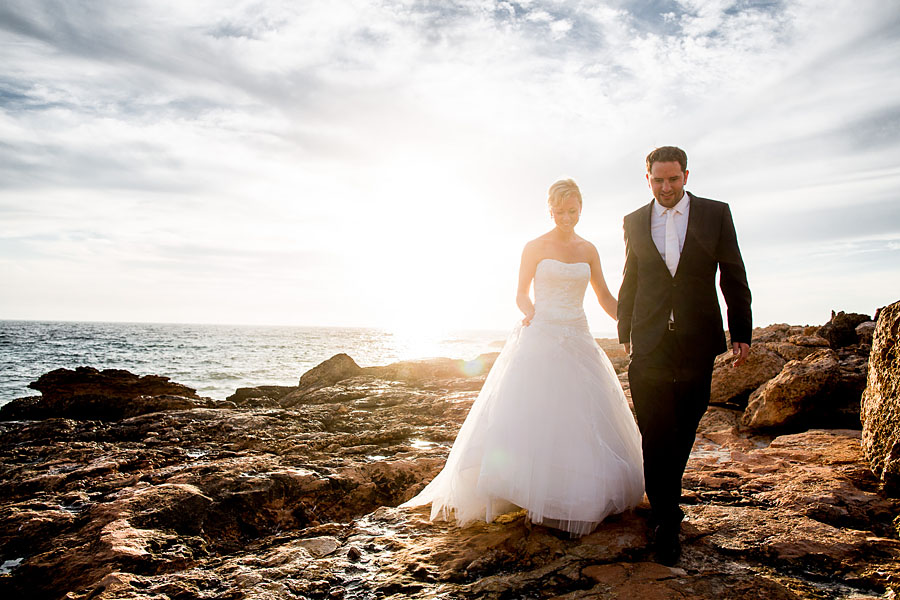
<point>550,431</point>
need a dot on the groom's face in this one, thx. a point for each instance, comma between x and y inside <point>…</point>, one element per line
<point>667,182</point>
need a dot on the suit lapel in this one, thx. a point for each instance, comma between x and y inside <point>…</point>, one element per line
<point>650,245</point>
<point>694,239</point>
<point>647,237</point>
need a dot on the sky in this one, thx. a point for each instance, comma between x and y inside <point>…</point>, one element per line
<point>382,163</point>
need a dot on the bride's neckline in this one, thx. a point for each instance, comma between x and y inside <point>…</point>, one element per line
<point>564,262</point>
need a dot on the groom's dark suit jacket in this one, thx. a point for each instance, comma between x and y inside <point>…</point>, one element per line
<point>649,292</point>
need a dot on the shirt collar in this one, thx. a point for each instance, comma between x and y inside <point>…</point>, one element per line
<point>680,208</point>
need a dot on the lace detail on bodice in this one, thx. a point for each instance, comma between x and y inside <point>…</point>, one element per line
<point>559,290</point>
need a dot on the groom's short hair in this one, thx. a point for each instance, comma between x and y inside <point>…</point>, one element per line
<point>667,154</point>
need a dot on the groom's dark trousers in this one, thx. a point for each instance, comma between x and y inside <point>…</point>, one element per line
<point>670,392</point>
<point>672,358</point>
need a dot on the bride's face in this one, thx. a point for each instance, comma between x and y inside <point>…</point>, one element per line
<point>566,215</point>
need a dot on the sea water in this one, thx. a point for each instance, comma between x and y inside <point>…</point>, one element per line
<point>213,359</point>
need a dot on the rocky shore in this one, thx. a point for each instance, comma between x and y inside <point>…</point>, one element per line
<point>120,486</point>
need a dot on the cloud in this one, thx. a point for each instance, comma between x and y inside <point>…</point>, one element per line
<point>358,136</point>
<point>857,221</point>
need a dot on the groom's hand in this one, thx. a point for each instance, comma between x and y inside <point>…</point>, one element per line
<point>627,348</point>
<point>740,351</point>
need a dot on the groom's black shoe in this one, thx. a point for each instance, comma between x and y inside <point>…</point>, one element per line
<point>666,544</point>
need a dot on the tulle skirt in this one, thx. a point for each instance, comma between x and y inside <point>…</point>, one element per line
<point>550,432</point>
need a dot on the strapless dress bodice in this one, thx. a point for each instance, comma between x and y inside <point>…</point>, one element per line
<point>559,290</point>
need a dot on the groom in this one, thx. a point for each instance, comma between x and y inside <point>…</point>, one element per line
<point>670,321</point>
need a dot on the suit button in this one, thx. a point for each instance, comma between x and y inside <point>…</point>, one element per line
<point>674,285</point>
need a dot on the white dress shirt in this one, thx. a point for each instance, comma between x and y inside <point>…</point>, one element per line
<point>658,217</point>
<point>658,223</point>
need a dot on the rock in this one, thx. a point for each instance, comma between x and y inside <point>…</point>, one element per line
<point>21,409</point>
<point>840,331</point>
<point>880,410</point>
<point>838,405</point>
<point>846,397</point>
<point>336,368</point>
<point>418,371</point>
<point>794,393</point>
<point>811,341</point>
<point>109,383</point>
<point>112,394</point>
<point>652,581</point>
<point>262,396</point>
<point>794,351</point>
<point>323,383</point>
<point>273,503</point>
<point>772,333</point>
<point>211,482</point>
<point>319,546</point>
<point>802,502</point>
<point>327,373</point>
<point>734,385</point>
<point>865,331</point>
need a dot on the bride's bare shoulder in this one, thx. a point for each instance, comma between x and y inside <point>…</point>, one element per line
<point>534,250</point>
<point>537,244</point>
<point>546,237</point>
<point>586,245</point>
<point>588,250</point>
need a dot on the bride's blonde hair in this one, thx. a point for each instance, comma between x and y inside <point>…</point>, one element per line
<point>562,189</point>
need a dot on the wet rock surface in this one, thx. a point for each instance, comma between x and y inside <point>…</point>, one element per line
<point>268,496</point>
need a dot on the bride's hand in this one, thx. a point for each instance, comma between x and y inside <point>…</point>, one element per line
<point>526,321</point>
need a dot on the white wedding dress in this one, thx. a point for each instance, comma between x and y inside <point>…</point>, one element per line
<point>550,431</point>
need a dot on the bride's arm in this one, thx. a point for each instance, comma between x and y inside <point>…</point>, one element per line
<point>526,274</point>
<point>598,282</point>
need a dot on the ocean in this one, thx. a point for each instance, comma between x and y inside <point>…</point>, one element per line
<point>214,359</point>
